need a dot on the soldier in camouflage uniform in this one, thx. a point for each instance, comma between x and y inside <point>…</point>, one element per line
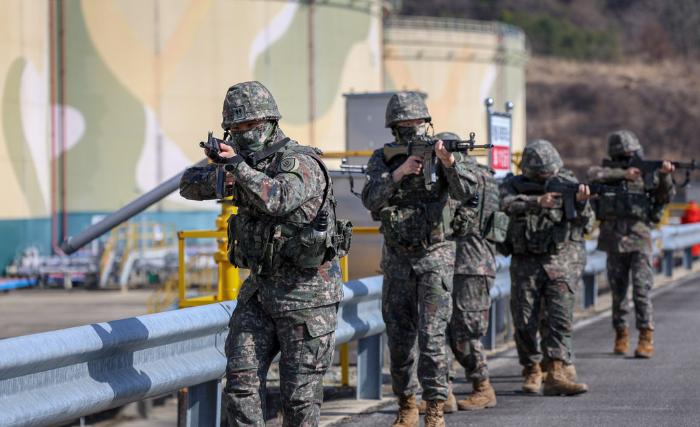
<point>475,227</point>
<point>625,234</point>
<point>417,258</point>
<point>548,257</point>
<point>289,302</point>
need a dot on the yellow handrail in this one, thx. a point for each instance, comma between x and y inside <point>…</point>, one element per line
<point>229,282</point>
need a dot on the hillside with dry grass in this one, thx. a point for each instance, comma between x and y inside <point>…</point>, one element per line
<point>575,104</point>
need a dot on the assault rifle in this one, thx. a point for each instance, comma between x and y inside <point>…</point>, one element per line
<point>648,167</point>
<point>568,191</point>
<point>350,170</point>
<point>212,146</point>
<point>424,147</point>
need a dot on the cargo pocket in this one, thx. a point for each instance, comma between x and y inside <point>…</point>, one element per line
<point>319,342</point>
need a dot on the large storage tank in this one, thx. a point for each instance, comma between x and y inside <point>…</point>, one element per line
<point>458,63</point>
<point>133,85</point>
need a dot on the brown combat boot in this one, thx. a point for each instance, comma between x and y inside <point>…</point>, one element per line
<point>622,340</point>
<point>434,415</point>
<point>557,384</point>
<point>645,347</point>
<point>532,378</point>
<point>450,403</point>
<point>483,396</point>
<point>408,412</point>
<point>569,371</point>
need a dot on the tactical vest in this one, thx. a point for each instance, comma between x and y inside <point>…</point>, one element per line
<point>263,243</point>
<point>481,215</point>
<point>415,217</point>
<point>542,231</point>
<point>632,202</point>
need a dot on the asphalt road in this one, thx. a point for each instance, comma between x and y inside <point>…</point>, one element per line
<point>624,391</point>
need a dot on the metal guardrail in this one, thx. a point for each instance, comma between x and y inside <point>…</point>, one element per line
<point>59,376</point>
<point>54,377</point>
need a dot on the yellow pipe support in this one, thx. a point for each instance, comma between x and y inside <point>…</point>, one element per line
<point>365,230</point>
<point>181,268</point>
<point>344,154</point>
<point>345,348</point>
<point>229,280</point>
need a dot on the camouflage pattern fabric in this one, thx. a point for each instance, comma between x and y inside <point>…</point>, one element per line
<point>531,288</point>
<point>306,340</point>
<point>296,194</point>
<point>475,254</point>
<point>469,322</point>
<point>546,278</point>
<point>623,235</point>
<point>622,143</point>
<point>475,269</point>
<point>248,101</point>
<point>404,106</point>
<point>416,301</point>
<point>540,156</point>
<point>637,266</point>
<point>289,310</point>
<point>416,306</point>
<point>628,244</point>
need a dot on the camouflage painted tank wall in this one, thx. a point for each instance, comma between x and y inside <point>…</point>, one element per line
<point>101,100</point>
<point>114,95</point>
<point>459,63</point>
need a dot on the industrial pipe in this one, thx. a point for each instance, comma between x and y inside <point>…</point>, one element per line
<point>138,205</point>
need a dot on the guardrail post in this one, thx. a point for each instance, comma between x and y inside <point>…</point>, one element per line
<point>370,358</point>
<point>668,263</point>
<point>200,405</point>
<point>688,258</point>
<point>489,341</point>
<point>590,290</point>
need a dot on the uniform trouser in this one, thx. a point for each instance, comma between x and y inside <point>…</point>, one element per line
<point>622,266</point>
<point>418,308</point>
<point>469,322</point>
<point>306,341</point>
<point>531,287</point>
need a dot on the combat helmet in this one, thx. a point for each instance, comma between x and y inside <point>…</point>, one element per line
<point>623,143</point>
<point>540,157</point>
<point>248,101</point>
<point>406,106</point>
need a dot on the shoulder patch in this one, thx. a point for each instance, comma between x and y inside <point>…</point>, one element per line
<point>289,164</point>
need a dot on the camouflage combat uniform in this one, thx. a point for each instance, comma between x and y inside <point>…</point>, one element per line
<point>417,262</point>
<point>625,235</point>
<point>548,257</point>
<point>474,275</point>
<point>282,307</point>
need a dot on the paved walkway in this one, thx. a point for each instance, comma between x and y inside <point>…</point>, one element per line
<point>624,391</point>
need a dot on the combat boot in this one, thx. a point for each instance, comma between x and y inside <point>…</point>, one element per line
<point>434,416</point>
<point>483,396</point>
<point>532,378</point>
<point>408,412</point>
<point>622,340</point>
<point>645,347</point>
<point>450,403</point>
<point>569,371</point>
<point>557,384</point>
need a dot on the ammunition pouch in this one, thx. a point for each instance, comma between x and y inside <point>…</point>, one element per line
<point>610,206</point>
<point>415,226</point>
<point>254,244</point>
<point>496,227</point>
<point>541,234</point>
